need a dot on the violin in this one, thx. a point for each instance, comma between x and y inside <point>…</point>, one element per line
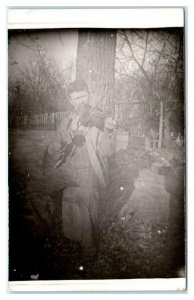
<point>88,117</point>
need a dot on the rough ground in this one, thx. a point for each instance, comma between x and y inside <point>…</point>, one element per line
<point>142,218</point>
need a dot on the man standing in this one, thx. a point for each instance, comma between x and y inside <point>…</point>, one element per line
<point>78,155</point>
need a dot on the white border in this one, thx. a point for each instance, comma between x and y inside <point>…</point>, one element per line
<point>117,18</point>
<point>133,285</point>
<point>97,18</point>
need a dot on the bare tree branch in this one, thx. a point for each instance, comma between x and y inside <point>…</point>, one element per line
<point>127,75</point>
<point>122,66</point>
<point>60,37</point>
<point>135,59</point>
<point>138,34</point>
<point>146,45</point>
<point>160,55</point>
<point>27,46</point>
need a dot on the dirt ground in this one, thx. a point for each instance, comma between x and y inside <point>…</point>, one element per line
<point>142,223</point>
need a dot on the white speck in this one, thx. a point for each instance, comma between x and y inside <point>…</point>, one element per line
<point>34,277</point>
<point>14,270</point>
<point>121,188</point>
<point>159,231</point>
<point>9,153</point>
<point>111,35</point>
<point>28,175</point>
<point>123,218</point>
<point>181,272</point>
<point>90,71</point>
<point>81,268</point>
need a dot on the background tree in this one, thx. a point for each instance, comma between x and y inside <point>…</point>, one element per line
<point>95,65</point>
<point>41,87</point>
<point>151,61</point>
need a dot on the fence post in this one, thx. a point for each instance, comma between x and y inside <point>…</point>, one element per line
<point>161,125</point>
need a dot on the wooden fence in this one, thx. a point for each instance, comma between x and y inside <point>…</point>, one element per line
<point>50,121</point>
<point>47,121</point>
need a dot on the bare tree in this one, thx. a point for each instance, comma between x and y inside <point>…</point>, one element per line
<point>42,84</point>
<point>152,62</point>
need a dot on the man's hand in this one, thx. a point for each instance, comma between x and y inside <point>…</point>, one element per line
<point>68,134</point>
<point>64,133</point>
<point>109,124</point>
<point>74,123</point>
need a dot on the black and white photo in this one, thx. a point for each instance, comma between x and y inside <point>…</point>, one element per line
<point>96,152</point>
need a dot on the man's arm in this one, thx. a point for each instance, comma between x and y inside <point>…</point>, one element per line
<point>62,136</point>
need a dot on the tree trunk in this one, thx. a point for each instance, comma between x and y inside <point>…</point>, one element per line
<point>95,65</point>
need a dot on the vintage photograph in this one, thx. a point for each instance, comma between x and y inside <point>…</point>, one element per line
<point>96,154</point>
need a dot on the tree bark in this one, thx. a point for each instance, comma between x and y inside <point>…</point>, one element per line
<point>95,65</point>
